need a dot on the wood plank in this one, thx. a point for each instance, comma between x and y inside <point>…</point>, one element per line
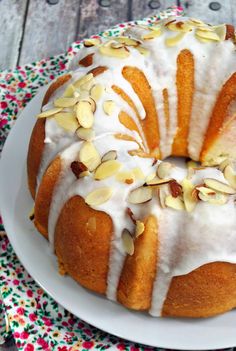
<point>221,11</point>
<point>49,29</point>
<point>96,16</point>
<point>141,9</point>
<point>11,29</point>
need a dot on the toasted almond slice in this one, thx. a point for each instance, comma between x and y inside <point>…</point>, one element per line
<point>89,156</point>
<point>230,176</point>
<point>124,176</point>
<point>219,186</point>
<point>116,45</point>
<point>163,192</point>
<point>173,41</point>
<point>92,42</point>
<point>153,33</point>
<point>107,169</point>
<point>221,31</point>
<point>207,34</point>
<point>84,114</point>
<point>217,199</point>
<point>85,133</point>
<point>189,201</point>
<point>84,174</point>
<point>157,182</point>
<point>97,91</point>
<point>131,215</point>
<point>140,227</point>
<point>83,80</point>
<point>205,191</point>
<point>78,168</point>
<point>65,102</point>
<point>110,155</point>
<point>70,90</point>
<point>67,121</point>
<point>174,202</point>
<point>99,196</point>
<point>143,51</point>
<point>150,177</point>
<point>138,173</point>
<point>192,164</point>
<point>31,214</point>
<point>109,107</point>
<point>127,41</point>
<point>163,169</point>
<point>224,164</point>
<point>108,50</point>
<point>49,113</point>
<point>93,104</point>
<point>196,22</point>
<point>180,26</point>
<point>128,242</point>
<point>140,195</point>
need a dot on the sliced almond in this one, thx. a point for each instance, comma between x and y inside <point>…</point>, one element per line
<point>196,22</point>
<point>89,156</point>
<point>224,164</point>
<point>173,41</point>
<point>138,173</point>
<point>31,214</point>
<point>85,133</point>
<point>140,195</point>
<point>110,155</point>
<point>78,168</point>
<point>163,191</point>
<point>108,50</point>
<point>207,35</point>
<point>221,31</point>
<point>109,107</point>
<point>205,191</point>
<point>157,182</point>
<point>163,169</point>
<point>189,201</point>
<point>124,176</point>
<point>84,114</point>
<point>219,186</point>
<point>83,80</point>
<point>131,215</point>
<point>230,176</point>
<point>70,89</point>
<point>97,91</point>
<point>180,26</point>
<point>192,164</point>
<point>174,202</point>
<point>139,230</point>
<point>92,42</point>
<point>151,177</point>
<point>153,33</point>
<point>143,51</point>
<point>128,242</point>
<point>49,113</point>
<point>127,41</point>
<point>107,169</point>
<point>67,121</point>
<point>65,102</point>
<point>99,196</point>
<point>217,199</point>
<point>84,174</point>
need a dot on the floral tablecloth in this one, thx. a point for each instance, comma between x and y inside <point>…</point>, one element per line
<point>27,313</point>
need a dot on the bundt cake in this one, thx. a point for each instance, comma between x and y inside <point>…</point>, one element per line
<point>151,234</point>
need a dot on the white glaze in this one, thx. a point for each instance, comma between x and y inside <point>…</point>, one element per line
<point>187,241</point>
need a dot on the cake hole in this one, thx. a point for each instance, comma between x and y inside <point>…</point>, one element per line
<point>215,6</point>
<point>104,3</point>
<point>154,4</point>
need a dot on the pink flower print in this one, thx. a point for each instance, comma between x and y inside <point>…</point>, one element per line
<point>16,335</point>
<point>42,343</point>
<point>3,104</point>
<point>24,335</point>
<point>21,84</point>
<point>29,293</point>
<point>32,317</point>
<point>29,347</point>
<point>47,321</point>
<point>63,348</point>
<point>16,282</point>
<point>20,310</point>
<point>87,344</point>
<point>133,348</point>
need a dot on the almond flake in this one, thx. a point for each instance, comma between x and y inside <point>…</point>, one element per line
<point>120,52</point>
<point>127,41</point>
<point>83,80</point>
<point>196,22</point>
<point>221,31</point>
<point>84,174</point>
<point>153,33</point>
<point>140,195</point>
<point>173,41</point>
<point>128,242</point>
<point>124,176</point>
<point>85,133</point>
<point>92,42</point>
<point>224,164</point>
<point>108,107</point>
<point>31,214</point>
<point>78,168</point>
<point>230,176</point>
<point>207,35</point>
<point>70,90</point>
<point>49,113</point>
<point>84,114</point>
<point>92,103</point>
<point>140,227</point>
<point>107,169</point>
<point>184,27</point>
<point>189,201</point>
<point>163,169</point>
<point>217,199</point>
<point>157,182</point>
<point>219,186</point>
<point>67,121</point>
<point>163,192</point>
<point>143,51</point>
<point>150,177</point>
<point>65,102</point>
<point>138,173</point>
<point>131,215</point>
<point>110,155</point>
<point>97,91</point>
<point>89,156</point>
<point>205,191</point>
<point>99,196</point>
<point>192,164</point>
<point>174,202</point>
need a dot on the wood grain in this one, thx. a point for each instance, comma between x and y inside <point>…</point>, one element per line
<point>49,29</point>
<point>146,8</point>
<point>202,9</point>
<point>11,29</point>
<point>95,18</point>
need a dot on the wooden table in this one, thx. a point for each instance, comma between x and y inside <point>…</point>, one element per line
<point>35,29</point>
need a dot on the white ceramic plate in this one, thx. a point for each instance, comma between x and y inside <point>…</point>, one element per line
<point>34,253</point>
